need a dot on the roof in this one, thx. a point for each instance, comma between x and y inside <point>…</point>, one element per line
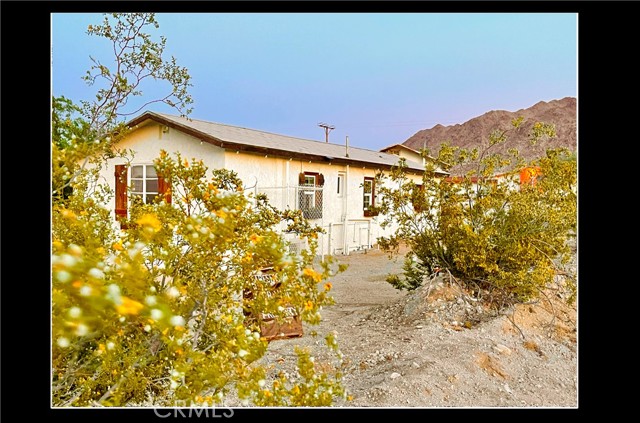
<point>433,159</point>
<point>401,146</point>
<point>404,146</point>
<point>251,140</point>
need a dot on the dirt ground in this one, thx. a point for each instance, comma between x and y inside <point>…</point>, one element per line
<point>403,351</point>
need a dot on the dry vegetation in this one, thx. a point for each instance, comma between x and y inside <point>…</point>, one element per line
<point>409,350</point>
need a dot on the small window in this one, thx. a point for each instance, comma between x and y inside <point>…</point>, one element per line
<point>308,197</point>
<point>310,194</point>
<point>144,183</point>
<point>369,197</point>
<point>340,185</point>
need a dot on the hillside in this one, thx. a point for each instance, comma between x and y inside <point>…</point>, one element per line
<point>475,132</point>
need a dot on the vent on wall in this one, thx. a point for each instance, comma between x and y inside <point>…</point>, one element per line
<point>162,129</point>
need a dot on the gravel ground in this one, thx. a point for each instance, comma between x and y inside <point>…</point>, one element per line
<point>401,350</point>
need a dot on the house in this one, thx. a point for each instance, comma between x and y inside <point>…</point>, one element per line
<point>403,151</point>
<point>332,184</point>
<point>412,155</point>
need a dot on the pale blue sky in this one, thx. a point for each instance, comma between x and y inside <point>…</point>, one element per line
<point>378,78</point>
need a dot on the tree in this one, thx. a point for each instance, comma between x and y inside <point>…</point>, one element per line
<point>493,234</point>
<point>159,310</point>
<point>86,133</point>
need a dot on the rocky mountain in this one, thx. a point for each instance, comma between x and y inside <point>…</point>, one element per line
<point>475,132</point>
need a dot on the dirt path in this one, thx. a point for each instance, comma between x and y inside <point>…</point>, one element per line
<point>397,357</point>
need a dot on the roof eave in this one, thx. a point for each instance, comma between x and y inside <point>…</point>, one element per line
<point>256,149</point>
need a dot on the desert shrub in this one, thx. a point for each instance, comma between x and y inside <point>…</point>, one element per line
<point>491,231</point>
<point>157,310</point>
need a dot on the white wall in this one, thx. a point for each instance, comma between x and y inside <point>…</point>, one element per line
<point>410,155</point>
<point>278,179</point>
<point>275,176</point>
<point>147,142</point>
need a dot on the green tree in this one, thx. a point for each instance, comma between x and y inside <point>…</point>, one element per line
<point>492,234</point>
<point>86,133</point>
<point>158,311</point>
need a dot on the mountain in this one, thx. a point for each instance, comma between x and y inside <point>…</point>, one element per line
<point>475,132</point>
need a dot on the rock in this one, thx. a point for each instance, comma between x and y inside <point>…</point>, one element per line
<point>395,375</point>
<point>507,388</point>
<point>502,349</point>
<point>419,327</point>
<point>416,365</point>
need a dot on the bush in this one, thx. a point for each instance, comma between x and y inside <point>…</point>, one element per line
<point>491,233</point>
<point>157,309</point>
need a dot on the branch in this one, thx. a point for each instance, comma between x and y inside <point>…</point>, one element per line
<point>553,310</point>
<point>513,322</point>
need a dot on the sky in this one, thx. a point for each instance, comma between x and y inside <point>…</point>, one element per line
<point>378,78</point>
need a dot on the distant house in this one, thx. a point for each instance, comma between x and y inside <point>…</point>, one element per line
<point>403,151</point>
<point>332,184</point>
<point>412,155</point>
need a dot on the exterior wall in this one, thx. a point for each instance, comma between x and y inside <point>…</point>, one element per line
<point>147,141</point>
<point>278,179</point>
<point>410,155</point>
<point>346,227</point>
<point>405,153</point>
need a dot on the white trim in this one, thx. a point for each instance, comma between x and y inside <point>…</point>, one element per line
<point>144,179</point>
<point>341,186</point>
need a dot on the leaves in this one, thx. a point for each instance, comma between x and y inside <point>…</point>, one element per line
<point>167,295</point>
<point>159,309</point>
<point>507,234</point>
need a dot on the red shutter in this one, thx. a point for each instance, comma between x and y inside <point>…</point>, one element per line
<point>121,193</point>
<point>164,189</point>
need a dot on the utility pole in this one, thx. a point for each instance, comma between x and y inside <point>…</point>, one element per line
<point>327,128</point>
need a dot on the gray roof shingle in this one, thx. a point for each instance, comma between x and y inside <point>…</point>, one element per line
<point>274,143</point>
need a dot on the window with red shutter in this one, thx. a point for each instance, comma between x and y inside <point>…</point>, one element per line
<point>146,184</point>
<point>310,194</point>
<point>369,197</point>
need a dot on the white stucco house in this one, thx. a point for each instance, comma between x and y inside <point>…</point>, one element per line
<point>407,152</point>
<point>331,183</point>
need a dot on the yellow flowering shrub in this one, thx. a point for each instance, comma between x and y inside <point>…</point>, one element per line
<point>502,239</point>
<point>157,310</point>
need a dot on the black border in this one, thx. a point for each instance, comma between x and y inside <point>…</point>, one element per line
<point>25,49</point>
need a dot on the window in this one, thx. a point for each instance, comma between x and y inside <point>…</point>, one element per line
<point>310,194</point>
<point>144,182</point>
<point>369,197</point>
<point>341,181</point>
